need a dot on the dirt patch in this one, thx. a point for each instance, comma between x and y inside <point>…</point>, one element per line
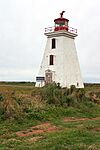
<point>34,139</point>
<point>13,140</point>
<point>72,119</point>
<point>97,129</point>
<point>42,126</point>
<point>39,129</point>
<point>23,133</point>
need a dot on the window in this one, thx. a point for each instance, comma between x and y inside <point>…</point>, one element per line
<point>51,60</point>
<point>53,43</point>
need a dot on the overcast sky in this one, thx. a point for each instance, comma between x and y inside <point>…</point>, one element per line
<point>22,39</point>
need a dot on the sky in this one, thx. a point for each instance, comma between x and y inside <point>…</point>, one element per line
<point>22,39</point>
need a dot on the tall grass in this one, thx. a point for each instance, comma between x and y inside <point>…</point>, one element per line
<point>46,103</point>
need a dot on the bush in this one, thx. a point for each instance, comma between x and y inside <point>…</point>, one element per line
<point>80,94</point>
<point>54,94</point>
<point>18,105</point>
<point>72,89</point>
<point>48,91</point>
<point>1,97</point>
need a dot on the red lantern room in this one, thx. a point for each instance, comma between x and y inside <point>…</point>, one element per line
<point>61,23</point>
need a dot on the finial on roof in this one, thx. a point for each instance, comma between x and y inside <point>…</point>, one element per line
<point>61,14</point>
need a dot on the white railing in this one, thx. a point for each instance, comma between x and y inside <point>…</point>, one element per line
<point>69,29</point>
<point>49,29</point>
<point>72,30</point>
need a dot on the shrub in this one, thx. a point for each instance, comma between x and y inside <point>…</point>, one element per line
<point>1,97</point>
<point>10,108</point>
<point>72,89</point>
<point>48,91</point>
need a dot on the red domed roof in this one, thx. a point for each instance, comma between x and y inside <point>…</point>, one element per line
<point>61,18</point>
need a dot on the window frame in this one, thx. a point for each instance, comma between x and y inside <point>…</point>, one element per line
<point>51,60</point>
<point>53,45</point>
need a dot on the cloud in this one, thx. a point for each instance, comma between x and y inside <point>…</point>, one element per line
<point>22,40</point>
<point>17,75</point>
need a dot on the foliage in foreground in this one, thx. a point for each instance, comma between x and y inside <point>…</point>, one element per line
<point>44,103</point>
<point>22,108</point>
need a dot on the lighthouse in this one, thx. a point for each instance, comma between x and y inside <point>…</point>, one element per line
<point>60,61</point>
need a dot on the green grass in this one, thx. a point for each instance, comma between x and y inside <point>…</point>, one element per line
<point>77,135</point>
<point>71,135</point>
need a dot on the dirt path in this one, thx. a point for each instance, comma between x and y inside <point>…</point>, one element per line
<point>72,119</point>
<point>39,129</point>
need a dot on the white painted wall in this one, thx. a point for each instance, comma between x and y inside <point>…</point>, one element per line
<point>66,70</point>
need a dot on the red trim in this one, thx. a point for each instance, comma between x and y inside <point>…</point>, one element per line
<point>60,19</point>
<point>61,28</point>
<point>67,28</point>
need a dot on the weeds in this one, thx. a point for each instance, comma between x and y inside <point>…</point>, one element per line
<point>24,107</point>
<point>40,101</point>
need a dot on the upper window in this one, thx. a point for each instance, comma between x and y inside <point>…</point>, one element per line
<point>53,43</point>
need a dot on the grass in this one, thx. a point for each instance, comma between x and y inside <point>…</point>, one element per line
<point>29,109</point>
<point>76,135</point>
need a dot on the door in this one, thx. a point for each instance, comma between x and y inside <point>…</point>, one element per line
<point>48,76</point>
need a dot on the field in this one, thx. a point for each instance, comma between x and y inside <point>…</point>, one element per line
<point>49,118</point>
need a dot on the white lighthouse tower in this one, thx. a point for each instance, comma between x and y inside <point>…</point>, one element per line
<point>60,62</point>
